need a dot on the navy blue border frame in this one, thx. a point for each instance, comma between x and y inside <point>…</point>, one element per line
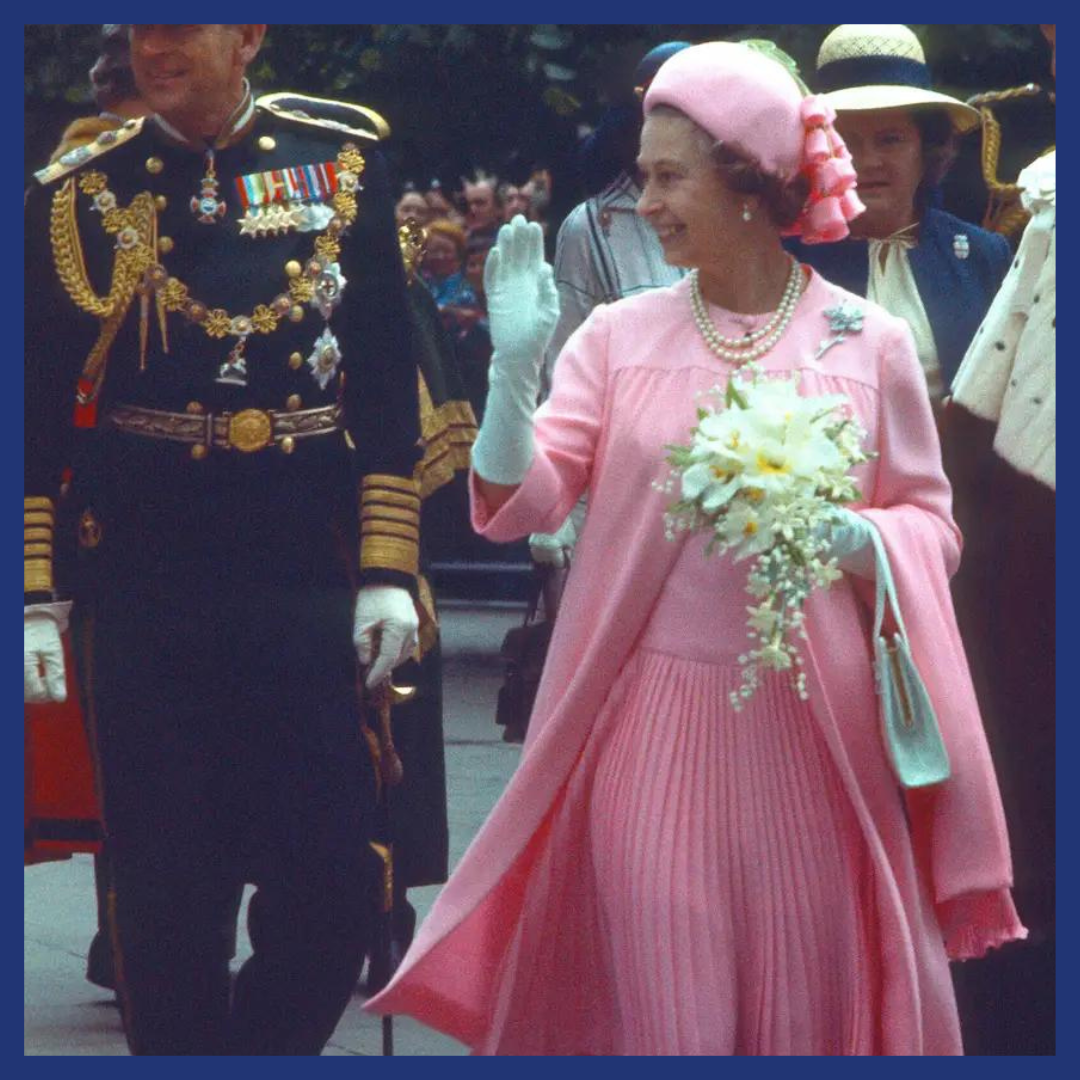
<point>596,11</point>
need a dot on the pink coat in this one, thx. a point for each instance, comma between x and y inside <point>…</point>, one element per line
<point>485,966</point>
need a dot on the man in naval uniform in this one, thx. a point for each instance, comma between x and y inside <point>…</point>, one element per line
<point>221,435</point>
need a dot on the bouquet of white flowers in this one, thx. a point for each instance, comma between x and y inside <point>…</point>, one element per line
<point>764,473</point>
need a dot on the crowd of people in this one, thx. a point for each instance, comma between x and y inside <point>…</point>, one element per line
<point>666,874</point>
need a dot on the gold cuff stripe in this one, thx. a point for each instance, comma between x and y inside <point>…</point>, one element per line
<point>38,521</point>
<point>386,553</point>
<point>389,513</point>
<point>390,528</point>
<point>390,498</point>
<point>29,535</point>
<point>37,577</point>
<point>35,502</point>
<point>392,483</point>
<point>40,550</point>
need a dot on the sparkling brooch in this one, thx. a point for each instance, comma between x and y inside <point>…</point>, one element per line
<point>843,320</point>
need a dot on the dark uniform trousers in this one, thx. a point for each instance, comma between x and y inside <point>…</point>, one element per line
<point>227,728</point>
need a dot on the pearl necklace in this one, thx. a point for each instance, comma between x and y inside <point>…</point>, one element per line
<point>742,350</point>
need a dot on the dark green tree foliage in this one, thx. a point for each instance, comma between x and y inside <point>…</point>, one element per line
<point>503,98</point>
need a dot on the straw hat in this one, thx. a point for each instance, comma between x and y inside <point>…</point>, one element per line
<point>882,66</point>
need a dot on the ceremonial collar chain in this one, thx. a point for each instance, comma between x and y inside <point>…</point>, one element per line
<point>742,350</point>
<point>137,270</point>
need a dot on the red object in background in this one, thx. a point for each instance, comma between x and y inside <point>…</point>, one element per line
<point>62,814</point>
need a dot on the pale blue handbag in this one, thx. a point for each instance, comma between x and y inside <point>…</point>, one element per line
<point>909,726</point>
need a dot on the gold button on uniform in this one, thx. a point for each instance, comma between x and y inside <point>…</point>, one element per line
<point>160,202</point>
<point>199,451</point>
<point>165,244</point>
<point>292,402</point>
<point>288,444</point>
<point>267,142</point>
<point>293,268</point>
<point>296,313</point>
<point>154,165</point>
<point>295,360</point>
<point>194,408</point>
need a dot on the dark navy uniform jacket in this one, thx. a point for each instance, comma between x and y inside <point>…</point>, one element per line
<point>956,292</point>
<point>278,514</point>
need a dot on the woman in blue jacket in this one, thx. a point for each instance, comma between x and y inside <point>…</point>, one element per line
<point>929,267</point>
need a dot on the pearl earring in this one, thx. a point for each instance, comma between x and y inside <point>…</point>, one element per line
<point>746,215</point>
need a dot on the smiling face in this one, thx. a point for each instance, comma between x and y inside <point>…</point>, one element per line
<point>193,74</point>
<point>887,152</point>
<point>696,216</point>
<point>442,258</point>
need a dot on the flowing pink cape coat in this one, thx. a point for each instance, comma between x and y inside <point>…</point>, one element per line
<point>510,959</point>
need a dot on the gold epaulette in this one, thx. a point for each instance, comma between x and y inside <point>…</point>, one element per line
<point>38,521</point>
<point>338,116</point>
<point>78,156</point>
<point>389,524</point>
<point>447,432</point>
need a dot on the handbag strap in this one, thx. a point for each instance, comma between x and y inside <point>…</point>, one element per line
<point>886,587</point>
<point>536,590</point>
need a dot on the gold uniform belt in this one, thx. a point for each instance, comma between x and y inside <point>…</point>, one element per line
<point>246,431</point>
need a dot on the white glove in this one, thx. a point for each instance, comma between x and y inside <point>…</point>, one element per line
<point>554,549</point>
<point>385,630</point>
<point>44,677</point>
<point>523,308</point>
<point>851,543</point>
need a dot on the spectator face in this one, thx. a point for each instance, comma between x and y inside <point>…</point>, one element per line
<point>442,258</point>
<point>516,200</point>
<point>886,150</point>
<point>192,75</point>
<point>412,205</point>
<point>474,269</point>
<point>482,210</point>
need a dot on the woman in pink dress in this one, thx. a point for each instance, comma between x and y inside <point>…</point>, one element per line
<point>664,875</point>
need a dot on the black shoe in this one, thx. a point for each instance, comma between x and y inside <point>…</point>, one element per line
<point>99,963</point>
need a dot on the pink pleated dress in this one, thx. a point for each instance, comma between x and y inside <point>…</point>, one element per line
<point>731,873</point>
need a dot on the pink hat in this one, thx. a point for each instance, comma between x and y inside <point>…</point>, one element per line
<point>752,103</point>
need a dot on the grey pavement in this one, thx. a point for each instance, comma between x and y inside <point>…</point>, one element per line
<point>64,1015</point>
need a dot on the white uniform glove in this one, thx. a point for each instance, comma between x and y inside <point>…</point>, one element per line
<point>851,543</point>
<point>554,549</point>
<point>385,629</point>
<point>44,677</point>
<point>523,308</point>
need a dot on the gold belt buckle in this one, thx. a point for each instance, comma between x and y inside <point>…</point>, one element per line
<point>250,430</point>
